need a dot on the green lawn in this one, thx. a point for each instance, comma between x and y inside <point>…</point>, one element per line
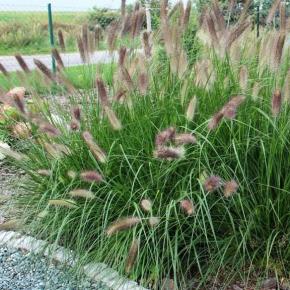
<point>14,28</point>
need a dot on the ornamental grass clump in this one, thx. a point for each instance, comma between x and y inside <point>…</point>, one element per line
<point>183,183</point>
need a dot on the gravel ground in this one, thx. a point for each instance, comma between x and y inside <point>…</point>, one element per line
<point>31,272</point>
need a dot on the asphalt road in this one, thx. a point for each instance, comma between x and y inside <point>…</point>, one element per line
<point>69,59</point>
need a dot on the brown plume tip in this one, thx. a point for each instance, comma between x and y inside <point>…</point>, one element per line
<point>4,70</point>
<point>102,92</point>
<point>49,129</point>
<point>215,120</point>
<point>165,136</point>
<point>76,113</point>
<point>169,153</point>
<point>185,138</point>
<point>212,183</point>
<point>132,255</point>
<point>230,187</point>
<point>91,176</point>
<point>230,109</point>
<point>98,153</point>
<point>122,224</point>
<point>276,103</point>
<point>22,63</point>
<point>75,125</point>
<point>187,207</point>
<point>61,40</point>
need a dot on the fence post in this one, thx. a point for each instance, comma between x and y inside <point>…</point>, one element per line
<point>51,36</point>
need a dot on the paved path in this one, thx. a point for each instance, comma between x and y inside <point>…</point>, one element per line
<point>69,59</point>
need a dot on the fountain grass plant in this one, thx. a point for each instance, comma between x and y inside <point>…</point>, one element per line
<point>167,172</point>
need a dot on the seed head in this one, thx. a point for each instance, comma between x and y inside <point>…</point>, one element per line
<point>183,139</point>
<point>215,120</point>
<point>165,136</point>
<point>44,172</point>
<point>132,255</point>
<point>83,193</point>
<point>22,63</point>
<point>276,103</point>
<point>68,203</point>
<point>91,176</point>
<point>187,206</point>
<point>146,205</point>
<point>154,221</point>
<point>169,153</point>
<point>49,129</point>
<point>94,148</point>
<point>122,224</point>
<point>212,183</point>
<point>230,187</point>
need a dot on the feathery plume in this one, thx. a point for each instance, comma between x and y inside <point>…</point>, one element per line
<point>122,55</point>
<point>190,112</point>
<point>75,125</point>
<point>272,11</point>
<point>10,225</point>
<point>146,205</point>
<point>61,40</point>
<point>44,69</point>
<point>184,138</point>
<point>132,255</point>
<point>276,103</point>
<point>218,16</point>
<point>146,44</point>
<point>76,113</point>
<point>256,91</point>
<point>82,193</point>
<point>68,203</point>
<point>153,221</point>
<point>127,78</point>
<point>58,58</point>
<point>283,22</point>
<point>244,78</point>
<point>112,32</point>
<point>49,129</point>
<point>12,154</point>
<point>215,120</point>
<point>44,172</point>
<point>3,70</point>
<point>245,11</point>
<point>94,148</point>
<point>91,176</point>
<point>71,174</point>
<point>122,224</point>
<point>230,187</point>
<point>287,87</point>
<point>114,121</point>
<point>21,130</point>
<point>277,50</point>
<point>212,183</point>
<point>229,110</point>
<point>19,103</point>
<point>22,63</point>
<point>165,136</point>
<point>119,95</point>
<point>169,153</point>
<point>81,49</point>
<point>187,207</point>
<point>236,32</point>
<point>143,82</point>
<point>212,29</point>
<point>102,92</point>
<point>85,39</point>
<point>56,150</point>
<point>186,15</point>
<point>98,35</point>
